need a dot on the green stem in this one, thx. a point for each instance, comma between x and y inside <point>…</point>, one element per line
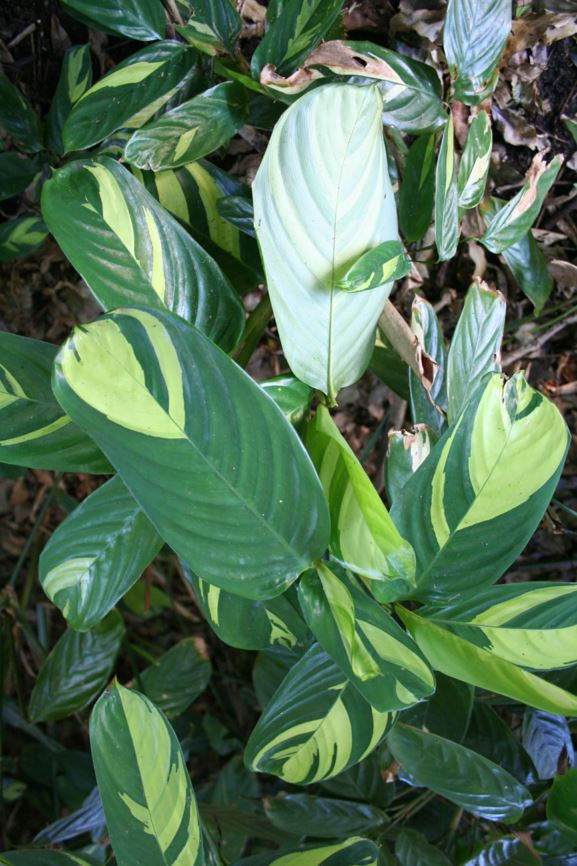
<point>254,329</point>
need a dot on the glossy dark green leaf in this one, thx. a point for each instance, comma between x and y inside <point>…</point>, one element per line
<point>428,406</point>
<point>131,251</point>
<point>18,118</point>
<point>387,365</point>
<point>492,737</point>
<point>362,781</point>
<point>148,800</point>
<point>547,739</point>
<point>475,161</point>
<point>457,773</point>
<point>188,430</point>
<point>194,129</point>
<point>562,804</point>
<point>474,36</point>
<point>383,263</point>
<point>214,26</point>
<point>177,678</point>
<point>405,453</point>
<point>322,817</point>
<point>446,197</point>
<point>475,348</point>
<point>20,236</point>
<point>97,554</point>
<point>130,94</point>
<point>508,851</point>
<point>75,79</point>
<point>417,192</point>
<point>352,852</point>
<point>76,670</point>
<point>238,210</point>
<point>294,30</point>
<point>316,724</point>
<point>447,712</point>
<point>35,431</point>
<point>143,20</point>
<point>17,172</point>
<point>525,261</point>
<point>513,220</point>
<point>291,395</point>
<point>270,668</point>
<point>42,857</point>
<point>412,849</point>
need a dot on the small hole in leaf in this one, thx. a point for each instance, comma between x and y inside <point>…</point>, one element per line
<point>360,61</point>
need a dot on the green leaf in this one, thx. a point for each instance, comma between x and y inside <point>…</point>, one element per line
<point>363,536</point>
<point>194,129</point>
<point>385,262</point>
<point>76,670</point>
<point>525,261</point>
<point>270,668</point>
<point>322,817</point>
<point>130,94</point>
<point>475,161</point>
<point>187,430</point>
<point>473,505</point>
<point>295,30</point>
<point>476,344</point>
<point>75,79</point>
<point>148,800</point>
<point>514,220</point>
<point>474,37</point>
<point>291,395</point>
<point>456,657</point>
<point>446,197</point>
<point>315,726</point>
<point>417,192</point>
<point>248,624</point>
<point>469,780</point>
<point>406,451</point>
<point>447,712</point>
<point>97,206</point>
<point>492,737</point>
<point>362,782</point>
<point>43,857</point>
<point>143,20</point>
<point>17,172</point>
<point>177,678</point>
<point>429,405</point>
<point>97,554</point>
<point>239,212</point>
<point>213,27</point>
<point>18,118</point>
<point>35,431</point>
<point>20,236</point>
<point>562,804</point>
<point>388,366</point>
<point>326,150</point>
<point>352,852</point>
<point>371,650</point>
<point>547,740</point>
<point>529,624</point>
<point>412,849</point>
<point>507,851</point>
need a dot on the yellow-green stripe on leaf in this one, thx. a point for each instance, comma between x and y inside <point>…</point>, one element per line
<point>363,536</point>
<point>75,79</point>
<point>143,20</point>
<point>129,94</point>
<point>387,261</point>
<point>352,852</point>
<point>316,724</point>
<point>372,651</point>
<point>189,433</point>
<point>475,161</point>
<point>405,453</point>
<point>20,236</point>
<point>474,503</point>
<point>131,251</point>
<point>446,197</point>
<point>148,800</point>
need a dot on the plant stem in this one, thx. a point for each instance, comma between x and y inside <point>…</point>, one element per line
<point>254,329</point>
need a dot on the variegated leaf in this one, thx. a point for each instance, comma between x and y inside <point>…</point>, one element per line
<point>405,454</point>
<point>363,536</point>
<point>131,251</point>
<point>354,851</point>
<point>429,405</point>
<point>20,236</point>
<point>75,79</point>
<point>475,161</point>
<point>143,20</point>
<point>130,94</point>
<point>190,434</point>
<point>316,724</point>
<point>322,196</point>
<point>42,857</point>
<point>291,395</point>
<point>18,118</point>
<point>97,554</point>
<point>372,651</point>
<point>213,27</point>
<point>383,263</point>
<point>446,197</point>
<point>471,507</point>
<point>192,130</point>
<point>35,431</point>
<point>148,800</point>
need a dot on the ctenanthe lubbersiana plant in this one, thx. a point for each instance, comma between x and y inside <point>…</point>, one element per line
<point>390,657</point>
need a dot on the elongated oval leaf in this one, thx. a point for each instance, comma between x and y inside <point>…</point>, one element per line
<point>148,800</point>
<point>562,804</point>
<point>35,431</point>
<point>20,236</point>
<point>475,161</point>
<point>76,670</point>
<point>131,251</point>
<point>194,129</point>
<point>416,195</point>
<point>75,79</point>
<point>386,262</point>
<point>322,817</point>
<point>97,554</point>
<point>405,454</point>
<point>472,506</point>
<point>214,26</point>
<point>322,195</point>
<point>189,433</point>
<point>446,197</point>
<point>508,851</point>
<point>17,172</point>
<point>456,657</point>
<point>429,405</point>
<point>352,852</point>
<point>363,536</point>
<point>42,857</point>
<point>373,652</point>
<point>459,774</point>
<point>143,20</point>
<point>412,849</point>
<point>129,95</point>
<point>177,678</point>
<point>476,345</point>
<point>547,740</point>
<point>315,726</point>
<point>18,118</point>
